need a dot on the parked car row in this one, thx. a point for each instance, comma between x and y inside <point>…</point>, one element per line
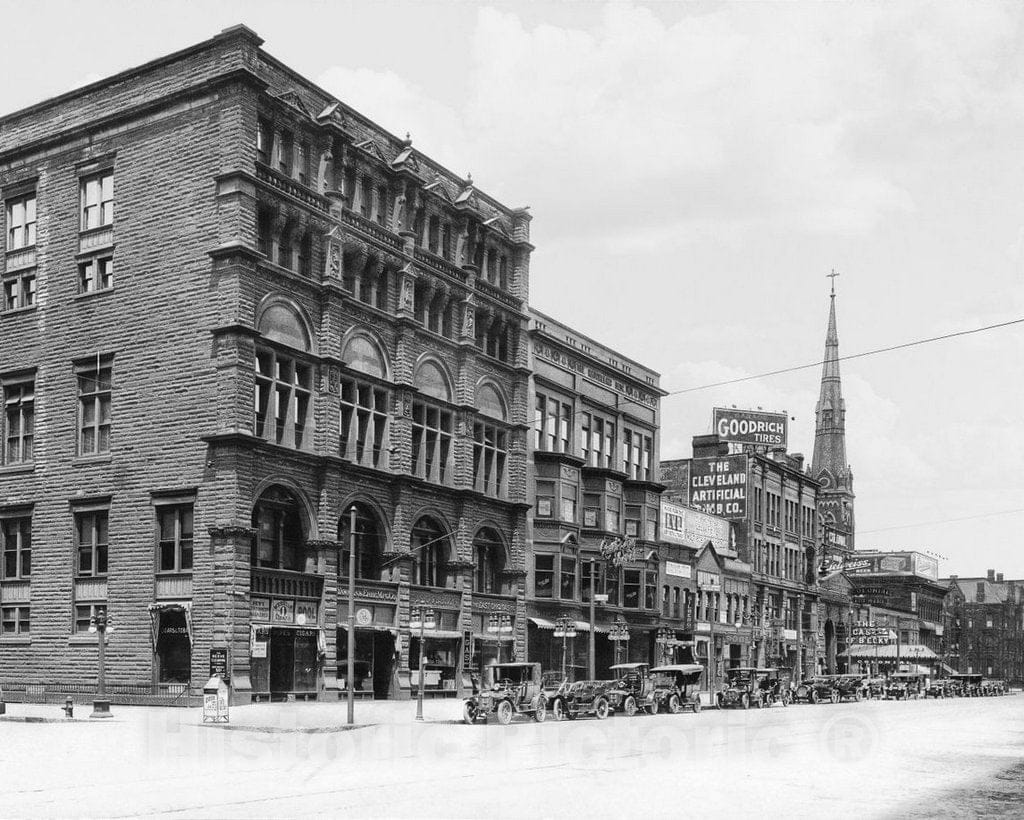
<point>519,689</point>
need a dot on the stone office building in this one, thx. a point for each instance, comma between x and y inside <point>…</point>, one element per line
<point>987,619</point>
<point>245,329</point>
<point>595,494</point>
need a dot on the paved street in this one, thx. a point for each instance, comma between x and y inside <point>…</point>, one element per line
<point>872,759</point>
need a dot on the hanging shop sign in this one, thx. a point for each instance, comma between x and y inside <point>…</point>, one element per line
<point>259,609</point>
<point>621,550</point>
<point>719,485</point>
<point>751,426</point>
<point>259,637</point>
<point>282,611</point>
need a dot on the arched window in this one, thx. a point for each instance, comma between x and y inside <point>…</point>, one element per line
<point>490,403</point>
<point>431,380</point>
<point>279,322</point>
<point>363,355</point>
<point>369,542</point>
<point>430,545</point>
<point>489,556</point>
<point>279,521</point>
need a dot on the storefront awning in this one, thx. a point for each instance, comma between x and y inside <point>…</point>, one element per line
<point>542,623</point>
<point>585,627</point>
<point>156,612</point>
<point>911,652</point>
<point>438,634</point>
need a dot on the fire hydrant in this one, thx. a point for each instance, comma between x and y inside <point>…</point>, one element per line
<point>68,708</point>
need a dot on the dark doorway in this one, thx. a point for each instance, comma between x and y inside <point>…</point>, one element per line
<point>282,660</point>
<point>383,662</point>
<point>173,648</point>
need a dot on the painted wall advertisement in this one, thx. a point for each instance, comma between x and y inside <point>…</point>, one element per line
<point>692,528</point>
<point>898,563</point>
<point>751,426</point>
<point>719,485</point>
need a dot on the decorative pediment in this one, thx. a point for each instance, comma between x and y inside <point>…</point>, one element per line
<point>406,159</point>
<point>292,100</point>
<point>438,187</point>
<point>497,224</point>
<point>467,197</point>
<point>373,148</point>
<point>333,114</point>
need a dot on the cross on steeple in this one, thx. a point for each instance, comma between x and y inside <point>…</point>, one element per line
<point>832,276</point>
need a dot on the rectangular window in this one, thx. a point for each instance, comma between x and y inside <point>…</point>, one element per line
<point>21,222</point>
<point>91,542</point>
<point>17,547</point>
<point>283,389</point>
<point>543,575</point>
<point>302,163</point>
<point>284,153</point>
<point>569,503</point>
<point>567,586</point>
<point>431,442</point>
<point>175,546</point>
<point>545,499</point>
<point>263,140</point>
<point>611,514</point>
<point>97,200</point>
<point>96,274</point>
<point>676,605</point>
<point>94,399</point>
<point>15,620</point>
<point>490,450</point>
<point>631,588</point>
<point>364,423</point>
<point>588,573</point>
<point>651,590</point>
<point>20,289</point>
<point>19,422</point>
<point>611,586</point>
<point>84,615</point>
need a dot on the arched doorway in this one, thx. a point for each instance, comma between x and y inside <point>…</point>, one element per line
<point>373,637</point>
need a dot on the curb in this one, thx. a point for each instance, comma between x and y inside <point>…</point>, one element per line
<point>38,719</point>
<point>312,730</point>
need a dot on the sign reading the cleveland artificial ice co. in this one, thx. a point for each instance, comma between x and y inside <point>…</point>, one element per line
<point>751,426</point>
<point>719,485</point>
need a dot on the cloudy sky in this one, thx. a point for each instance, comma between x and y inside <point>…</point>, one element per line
<point>695,170</point>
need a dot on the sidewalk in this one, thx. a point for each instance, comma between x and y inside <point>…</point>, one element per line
<point>303,716</point>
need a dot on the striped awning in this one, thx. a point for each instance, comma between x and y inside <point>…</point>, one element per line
<point>911,652</point>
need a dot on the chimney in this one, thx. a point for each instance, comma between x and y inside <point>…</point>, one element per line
<point>798,461</point>
<point>992,575</point>
<point>980,594</point>
<point>999,577</point>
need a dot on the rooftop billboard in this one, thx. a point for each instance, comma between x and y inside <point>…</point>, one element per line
<point>751,427</point>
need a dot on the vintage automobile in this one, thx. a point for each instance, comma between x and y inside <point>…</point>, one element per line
<point>582,697</point>
<point>876,688</point>
<point>939,688</point>
<point>992,687</point>
<point>509,689</point>
<point>633,689</point>
<point>852,687</point>
<point>677,687</point>
<point>748,686</point>
<point>969,683</point>
<point>904,686</point>
<point>819,689</point>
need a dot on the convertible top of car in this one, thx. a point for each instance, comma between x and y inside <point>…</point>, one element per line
<point>628,665</point>
<point>684,668</point>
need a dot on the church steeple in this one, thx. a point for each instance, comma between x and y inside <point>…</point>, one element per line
<point>829,465</point>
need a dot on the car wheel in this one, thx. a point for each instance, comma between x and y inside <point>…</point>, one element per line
<point>504,713</point>
<point>629,706</point>
<point>745,701</point>
<point>835,697</point>
<point>673,704</point>
<point>857,696</point>
<point>558,709</point>
<point>652,707</point>
<point>814,696</point>
<point>540,709</point>
<point>696,704</point>
<point>784,699</point>
<point>601,708</point>
<point>469,713</point>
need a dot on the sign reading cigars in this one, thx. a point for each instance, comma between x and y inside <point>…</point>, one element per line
<point>751,426</point>
<point>719,485</point>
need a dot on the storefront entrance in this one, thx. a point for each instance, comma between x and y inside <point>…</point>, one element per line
<point>374,661</point>
<point>291,664</point>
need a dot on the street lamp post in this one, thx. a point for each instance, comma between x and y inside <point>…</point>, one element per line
<point>565,628</point>
<point>499,626</point>
<point>101,624</point>
<point>619,633</point>
<point>421,619</point>
<point>665,638</point>
<point>351,664</point>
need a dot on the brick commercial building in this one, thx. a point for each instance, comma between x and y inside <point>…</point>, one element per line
<point>987,626</point>
<point>596,495</point>
<point>245,329</point>
<point>775,517</point>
